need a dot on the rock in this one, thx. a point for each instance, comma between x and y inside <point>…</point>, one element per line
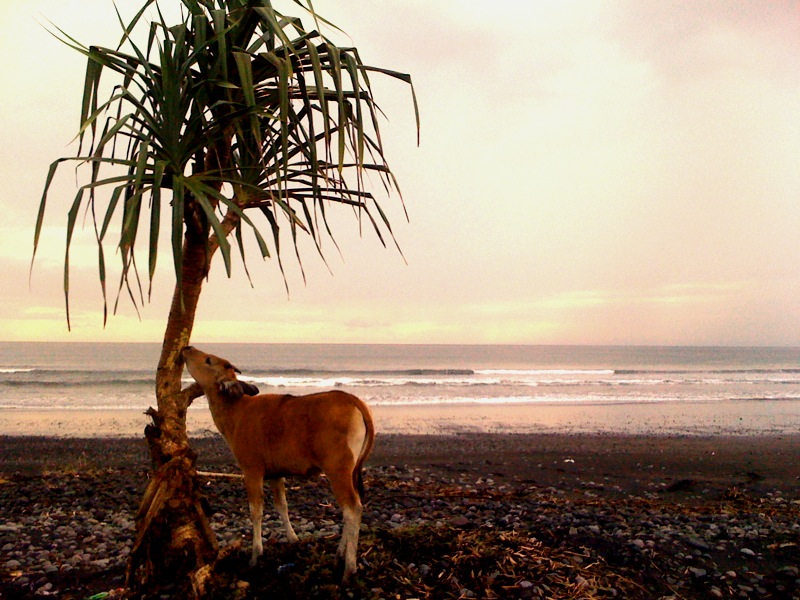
<point>696,542</point>
<point>459,521</point>
<point>747,552</point>
<point>697,572</point>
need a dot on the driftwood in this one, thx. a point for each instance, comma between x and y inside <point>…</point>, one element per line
<point>228,475</point>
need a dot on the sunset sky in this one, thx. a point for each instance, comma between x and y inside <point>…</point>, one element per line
<point>589,172</point>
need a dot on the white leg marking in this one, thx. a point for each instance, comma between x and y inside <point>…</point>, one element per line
<point>349,543</point>
<point>279,498</point>
<point>256,512</point>
<point>255,495</point>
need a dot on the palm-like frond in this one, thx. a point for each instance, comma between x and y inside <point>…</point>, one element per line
<point>238,107</point>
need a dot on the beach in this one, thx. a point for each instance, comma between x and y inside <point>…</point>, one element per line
<point>624,515</point>
<point>735,418</point>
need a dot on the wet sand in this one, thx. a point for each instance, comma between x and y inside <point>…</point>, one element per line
<point>669,418</point>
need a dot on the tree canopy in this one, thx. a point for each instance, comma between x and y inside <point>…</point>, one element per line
<point>235,111</point>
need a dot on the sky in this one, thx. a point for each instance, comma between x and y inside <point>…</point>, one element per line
<point>589,172</point>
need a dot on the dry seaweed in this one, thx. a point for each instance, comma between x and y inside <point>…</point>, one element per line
<point>431,562</point>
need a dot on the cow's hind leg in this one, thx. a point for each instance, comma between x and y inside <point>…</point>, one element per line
<point>350,502</point>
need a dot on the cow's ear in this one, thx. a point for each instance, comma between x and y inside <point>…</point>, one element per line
<point>249,389</point>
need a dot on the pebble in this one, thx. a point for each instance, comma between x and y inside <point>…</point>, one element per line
<point>696,542</point>
<point>698,572</point>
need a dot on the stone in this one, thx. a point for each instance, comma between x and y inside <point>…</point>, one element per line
<point>697,572</point>
<point>696,542</point>
<point>459,521</point>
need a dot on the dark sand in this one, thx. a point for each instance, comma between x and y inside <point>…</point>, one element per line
<point>632,463</point>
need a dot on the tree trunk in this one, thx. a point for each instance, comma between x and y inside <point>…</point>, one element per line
<point>175,544</point>
<point>174,541</point>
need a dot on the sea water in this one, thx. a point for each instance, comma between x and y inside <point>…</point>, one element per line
<point>121,376</point>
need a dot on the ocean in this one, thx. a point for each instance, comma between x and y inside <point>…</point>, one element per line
<point>762,382</point>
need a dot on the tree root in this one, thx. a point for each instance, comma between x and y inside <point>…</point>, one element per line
<point>174,536</point>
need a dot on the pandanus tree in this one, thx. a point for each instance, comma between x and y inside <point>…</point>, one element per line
<point>240,128</point>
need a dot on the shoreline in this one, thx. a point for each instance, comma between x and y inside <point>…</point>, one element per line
<point>720,418</point>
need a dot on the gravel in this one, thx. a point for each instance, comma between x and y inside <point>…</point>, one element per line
<point>68,534</point>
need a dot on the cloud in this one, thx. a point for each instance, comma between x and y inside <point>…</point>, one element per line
<point>690,39</point>
<point>611,171</point>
